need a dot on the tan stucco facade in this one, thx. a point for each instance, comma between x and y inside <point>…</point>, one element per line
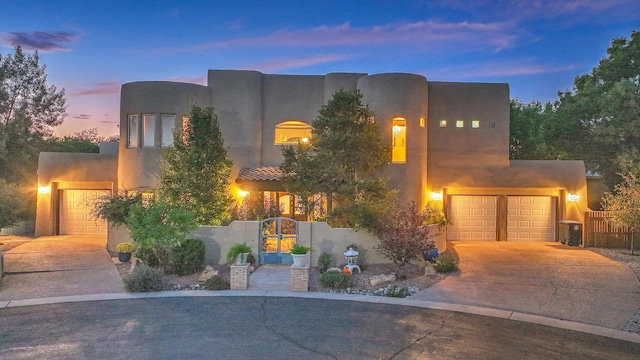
<point>456,139</point>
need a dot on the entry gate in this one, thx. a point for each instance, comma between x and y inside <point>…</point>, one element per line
<point>277,237</point>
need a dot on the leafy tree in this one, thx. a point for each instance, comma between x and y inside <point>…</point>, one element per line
<point>599,119</point>
<point>115,208</point>
<point>527,126</point>
<point>14,206</point>
<point>404,233</point>
<point>24,92</point>
<point>624,203</point>
<point>343,161</point>
<point>196,169</point>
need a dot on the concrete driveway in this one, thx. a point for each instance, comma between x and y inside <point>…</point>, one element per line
<point>547,279</point>
<point>64,265</point>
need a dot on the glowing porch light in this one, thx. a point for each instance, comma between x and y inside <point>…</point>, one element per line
<point>573,197</point>
<point>43,189</point>
<point>436,196</point>
<point>243,194</point>
<point>304,140</point>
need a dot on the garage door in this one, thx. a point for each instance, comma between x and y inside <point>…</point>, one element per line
<point>75,213</point>
<point>472,218</point>
<point>531,218</point>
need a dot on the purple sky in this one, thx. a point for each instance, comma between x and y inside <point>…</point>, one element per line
<point>91,48</point>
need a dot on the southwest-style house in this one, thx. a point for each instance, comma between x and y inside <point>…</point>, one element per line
<point>450,144</point>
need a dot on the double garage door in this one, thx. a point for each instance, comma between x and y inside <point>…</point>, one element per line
<point>75,213</point>
<point>528,218</point>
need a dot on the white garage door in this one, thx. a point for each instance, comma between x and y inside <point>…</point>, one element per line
<point>472,218</point>
<point>531,218</point>
<point>75,213</point>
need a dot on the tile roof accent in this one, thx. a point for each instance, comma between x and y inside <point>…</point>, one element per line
<point>266,173</point>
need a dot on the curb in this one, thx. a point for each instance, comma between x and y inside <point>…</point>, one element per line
<point>425,304</point>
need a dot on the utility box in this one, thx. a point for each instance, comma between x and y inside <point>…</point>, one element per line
<point>570,232</point>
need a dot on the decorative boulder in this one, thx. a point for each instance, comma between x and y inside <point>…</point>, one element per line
<point>378,280</point>
<point>207,273</point>
<point>429,270</point>
<point>334,269</point>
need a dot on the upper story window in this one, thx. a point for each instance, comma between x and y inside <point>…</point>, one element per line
<point>292,132</point>
<point>459,123</point>
<point>399,141</point>
<point>149,130</point>
<point>443,123</point>
<point>168,125</point>
<point>132,131</point>
<point>475,124</point>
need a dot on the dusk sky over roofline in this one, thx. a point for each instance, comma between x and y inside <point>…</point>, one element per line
<point>92,48</point>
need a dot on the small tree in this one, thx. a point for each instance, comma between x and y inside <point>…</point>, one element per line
<point>624,203</point>
<point>13,205</point>
<point>160,226</point>
<point>404,234</point>
<point>115,208</point>
<point>196,169</point>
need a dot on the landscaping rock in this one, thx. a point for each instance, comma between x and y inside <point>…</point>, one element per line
<point>334,269</point>
<point>377,280</point>
<point>207,273</point>
<point>429,270</point>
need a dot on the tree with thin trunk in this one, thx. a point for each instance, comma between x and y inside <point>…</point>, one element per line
<point>624,203</point>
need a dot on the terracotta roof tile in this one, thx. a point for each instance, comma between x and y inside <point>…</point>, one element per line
<point>266,173</point>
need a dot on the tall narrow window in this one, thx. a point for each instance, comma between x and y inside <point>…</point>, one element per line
<point>168,124</point>
<point>399,141</point>
<point>149,131</point>
<point>132,129</point>
<point>292,132</point>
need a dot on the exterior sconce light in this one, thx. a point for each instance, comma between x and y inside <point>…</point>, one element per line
<point>243,194</point>
<point>572,197</point>
<point>43,189</point>
<point>436,196</point>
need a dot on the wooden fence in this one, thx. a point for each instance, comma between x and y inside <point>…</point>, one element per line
<point>601,231</point>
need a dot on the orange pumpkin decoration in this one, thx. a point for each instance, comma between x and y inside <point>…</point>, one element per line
<point>346,270</point>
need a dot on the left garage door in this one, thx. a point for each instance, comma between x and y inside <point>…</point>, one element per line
<point>75,213</point>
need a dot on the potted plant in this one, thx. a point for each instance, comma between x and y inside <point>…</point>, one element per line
<point>299,254</point>
<point>124,250</point>
<point>239,253</point>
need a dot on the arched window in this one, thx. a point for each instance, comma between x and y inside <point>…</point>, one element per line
<point>292,132</point>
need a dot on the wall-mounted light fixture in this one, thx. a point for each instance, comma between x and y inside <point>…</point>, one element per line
<point>572,197</point>
<point>243,194</point>
<point>43,189</point>
<point>436,196</point>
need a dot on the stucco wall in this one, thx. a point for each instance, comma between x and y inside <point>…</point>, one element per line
<point>139,167</point>
<point>398,95</point>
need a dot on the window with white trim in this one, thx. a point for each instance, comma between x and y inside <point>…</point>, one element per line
<point>132,131</point>
<point>168,126</point>
<point>149,130</point>
<point>292,132</point>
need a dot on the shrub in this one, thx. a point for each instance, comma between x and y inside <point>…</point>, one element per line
<point>324,261</point>
<point>396,291</point>
<point>115,208</point>
<point>143,279</point>
<point>446,263</point>
<point>147,256</point>
<point>336,280</point>
<point>216,283</point>
<point>187,258</point>
<point>299,249</point>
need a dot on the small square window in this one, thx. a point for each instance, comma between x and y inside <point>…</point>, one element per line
<point>459,123</point>
<point>492,124</point>
<point>475,124</point>
<point>422,121</point>
<point>443,123</point>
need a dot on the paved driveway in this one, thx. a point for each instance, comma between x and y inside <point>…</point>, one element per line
<point>547,279</point>
<point>52,266</point>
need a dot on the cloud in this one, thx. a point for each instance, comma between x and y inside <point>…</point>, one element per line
<point>83,117</point>
<point>495,35</point>
<point>502,69</point>
<point>105,87</point>
<point>39,40</point>
<point>276,65</point>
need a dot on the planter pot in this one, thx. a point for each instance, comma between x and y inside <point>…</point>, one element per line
<point>431,255</point>
<point>241,259</point>
<point>299,259</point>
<point>124,257</point>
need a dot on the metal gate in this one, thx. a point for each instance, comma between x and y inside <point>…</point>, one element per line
<point>277,237</point>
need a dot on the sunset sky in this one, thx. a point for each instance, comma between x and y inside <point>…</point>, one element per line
<point>92,47</point>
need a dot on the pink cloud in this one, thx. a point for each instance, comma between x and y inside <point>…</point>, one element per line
<point>276,65</point>
<point>45,41</point>
<point>105,87</point>
<point>519,68</point>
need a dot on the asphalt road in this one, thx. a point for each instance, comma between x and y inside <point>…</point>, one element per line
<point>282,328</point>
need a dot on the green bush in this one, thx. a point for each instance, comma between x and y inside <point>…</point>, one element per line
<point>336,280</point>
<point>147,256</point>
<point>187,258</point>
<point>324,261</point>
<point>446,263</point>
<point>143,279</point>
<point>397,291</point>
<point>216,283</point>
